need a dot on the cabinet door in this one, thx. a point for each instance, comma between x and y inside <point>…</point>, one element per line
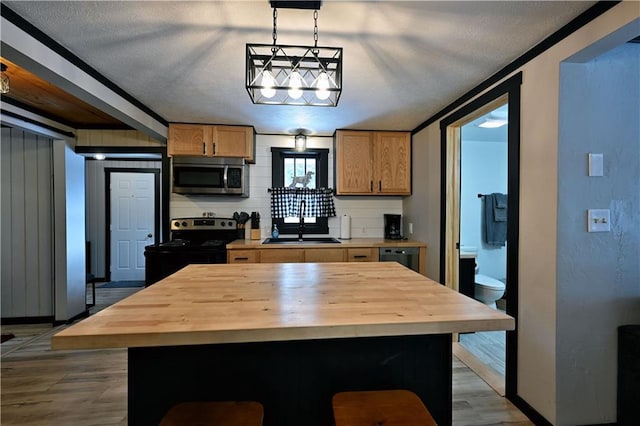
<point>324,255</point>
<point>354,162</point>
<point>233,141</point>
<point>282,256</point>
<point>187,139</point>
<point>392,159</point>
<point>242,256</point>
<point>363,254</point>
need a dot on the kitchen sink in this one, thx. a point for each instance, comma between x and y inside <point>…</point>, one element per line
<point>305,240</point>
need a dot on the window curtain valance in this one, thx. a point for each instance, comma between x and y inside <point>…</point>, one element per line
<point>285,202</point>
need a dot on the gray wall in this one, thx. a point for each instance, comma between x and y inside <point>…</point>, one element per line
<point>598,284</point>
<point>95,206</point>
<point>69,231</point>
<point>27,233</point>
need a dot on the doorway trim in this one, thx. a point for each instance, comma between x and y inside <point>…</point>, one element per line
<point>107,203</point>
<point>450,133</point>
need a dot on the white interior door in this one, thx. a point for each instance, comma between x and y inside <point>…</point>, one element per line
<point>132,215</point>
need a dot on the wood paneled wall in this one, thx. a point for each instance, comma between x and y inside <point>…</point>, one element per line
<point>27,231</point>
<point>96,208</point>
<point>115,138</point>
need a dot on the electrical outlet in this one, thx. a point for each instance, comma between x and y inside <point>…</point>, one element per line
<point>598,220</point>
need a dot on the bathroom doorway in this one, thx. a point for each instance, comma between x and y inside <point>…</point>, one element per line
<point>471,173</point>
<point>483,185</point>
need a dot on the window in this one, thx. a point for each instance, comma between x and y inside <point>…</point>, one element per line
<point>300,169</point>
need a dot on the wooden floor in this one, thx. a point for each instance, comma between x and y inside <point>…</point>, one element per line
<point>44,387</point>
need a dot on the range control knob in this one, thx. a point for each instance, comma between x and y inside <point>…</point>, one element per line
<point>230,223</point>
<point>184,224</point>
<point>223,223</point>
<point>176,224</point>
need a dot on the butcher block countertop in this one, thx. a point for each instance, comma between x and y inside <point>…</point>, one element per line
<point>351,243</point>
<point>231,303</point>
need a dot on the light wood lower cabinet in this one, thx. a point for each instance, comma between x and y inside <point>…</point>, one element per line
<point>314,255</point>
<point>324,255</point>
<point>293,255</point>
<point>364,254</point>
<point>242,256</point>
<point>282,256</point>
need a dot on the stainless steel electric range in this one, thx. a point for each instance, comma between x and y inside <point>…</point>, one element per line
<point>193,240</point>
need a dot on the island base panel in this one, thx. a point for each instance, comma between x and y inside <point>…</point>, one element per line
<point>294,380</point>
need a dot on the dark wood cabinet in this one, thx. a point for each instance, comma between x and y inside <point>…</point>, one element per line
<point>466,280</point>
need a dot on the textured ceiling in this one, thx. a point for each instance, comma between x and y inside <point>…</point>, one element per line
<point>403,61</point>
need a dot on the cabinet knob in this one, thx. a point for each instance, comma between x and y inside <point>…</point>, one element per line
<point>204,148</point>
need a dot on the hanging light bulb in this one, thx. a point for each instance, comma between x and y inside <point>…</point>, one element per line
<point>4,79</point>
<point>268,82</point>
<point>322,86</point>
<point>295,84</point>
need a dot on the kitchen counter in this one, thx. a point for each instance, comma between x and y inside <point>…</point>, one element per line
<point>353,250</point>
<point>287,335</point>
<point>352,243</point>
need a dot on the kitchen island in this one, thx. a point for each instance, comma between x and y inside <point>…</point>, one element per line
<point>286,335</point>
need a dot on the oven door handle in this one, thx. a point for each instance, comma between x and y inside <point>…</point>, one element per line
<point>224,178</point>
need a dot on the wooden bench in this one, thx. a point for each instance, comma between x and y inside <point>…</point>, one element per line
<point>380,408</point>
<point>218,413</point>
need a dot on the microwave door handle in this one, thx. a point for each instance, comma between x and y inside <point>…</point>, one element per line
<point>224,178</point>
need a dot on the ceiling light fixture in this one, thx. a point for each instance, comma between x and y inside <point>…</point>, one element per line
<point>300,142</point>
<point>294,75</point>
<point>4,79</point>
<point>492,123</point>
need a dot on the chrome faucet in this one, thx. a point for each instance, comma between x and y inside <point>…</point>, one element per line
<point>303,204</point>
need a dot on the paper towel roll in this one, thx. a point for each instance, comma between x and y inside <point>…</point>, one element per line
<point>345,227</point>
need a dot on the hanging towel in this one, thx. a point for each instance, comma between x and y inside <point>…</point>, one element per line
<point>495,232</point>
<point>499,207</point>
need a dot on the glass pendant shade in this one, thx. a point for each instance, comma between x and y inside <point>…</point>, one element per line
<point>300,143</point>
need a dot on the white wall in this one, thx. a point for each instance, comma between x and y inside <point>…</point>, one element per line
<point>27,231</point>
<point>366,212</point>
<point>483,171</point>
<point>423,207</point>
<point>537,322</point>
<point>598,282</point>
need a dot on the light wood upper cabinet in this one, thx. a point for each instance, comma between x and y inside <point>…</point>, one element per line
<point>188,139</point>
<point>212,141</point>
<point>392,155</point>
<point>354,162</point>
<point>370,163</point>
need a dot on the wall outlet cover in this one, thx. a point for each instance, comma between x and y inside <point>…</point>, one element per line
<point>598,220</point>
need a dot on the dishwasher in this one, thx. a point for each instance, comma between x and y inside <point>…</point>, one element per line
<point>407,256</point>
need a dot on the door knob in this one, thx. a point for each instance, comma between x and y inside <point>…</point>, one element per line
<point>149,235</point>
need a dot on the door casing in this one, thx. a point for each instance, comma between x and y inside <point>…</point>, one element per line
<point>508,91</point>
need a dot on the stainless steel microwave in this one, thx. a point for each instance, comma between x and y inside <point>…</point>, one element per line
<point>210,176</point>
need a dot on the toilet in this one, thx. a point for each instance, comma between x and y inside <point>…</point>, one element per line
<point>488,290</point>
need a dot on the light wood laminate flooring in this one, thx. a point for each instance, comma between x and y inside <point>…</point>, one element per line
<point>89,387</point>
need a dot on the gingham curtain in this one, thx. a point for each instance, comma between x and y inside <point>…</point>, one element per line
<point>285,202</point>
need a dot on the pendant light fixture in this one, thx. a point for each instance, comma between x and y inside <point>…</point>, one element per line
<point>4,79</point>
<point>294,75</point>
<point>300,142</point>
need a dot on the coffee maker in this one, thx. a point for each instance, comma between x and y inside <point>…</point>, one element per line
<point>393,226</point>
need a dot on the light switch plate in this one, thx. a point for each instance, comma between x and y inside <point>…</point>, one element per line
<point>596,164</point>
<point>598,220</point>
